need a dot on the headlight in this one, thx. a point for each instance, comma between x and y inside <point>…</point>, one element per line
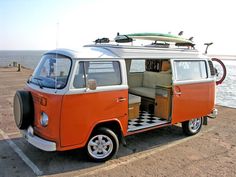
<point>44,119</point>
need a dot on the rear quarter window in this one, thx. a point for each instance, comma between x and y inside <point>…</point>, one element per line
<point>190,70</point>
<point>137,66</point>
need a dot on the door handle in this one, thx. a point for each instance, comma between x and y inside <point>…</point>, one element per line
<point>178,93</point>
<point>121,99</point>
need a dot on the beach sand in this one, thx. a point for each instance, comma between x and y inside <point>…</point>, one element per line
<point>162,152</point>
<point>10,81</point>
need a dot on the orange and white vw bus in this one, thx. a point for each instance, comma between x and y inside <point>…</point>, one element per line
<point>96,97</point>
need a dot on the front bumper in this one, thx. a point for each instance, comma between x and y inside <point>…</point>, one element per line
<point>213,114</point>
<point>37,141</point>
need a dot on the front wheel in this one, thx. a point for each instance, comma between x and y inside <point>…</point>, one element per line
<point>102,145</point>
<point>192,127</point>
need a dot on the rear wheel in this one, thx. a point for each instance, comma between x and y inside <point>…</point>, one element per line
<point>192,127</point>
<point>102,145</point>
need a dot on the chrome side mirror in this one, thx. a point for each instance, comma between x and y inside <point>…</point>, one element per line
<point>92,84</point>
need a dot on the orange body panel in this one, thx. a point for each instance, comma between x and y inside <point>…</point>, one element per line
<point>53,109</point>
<point>82,112</point>
<point>195,100</point>
<point>72,117</point>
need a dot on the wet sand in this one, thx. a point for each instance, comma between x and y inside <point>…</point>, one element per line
<point>162,152</point>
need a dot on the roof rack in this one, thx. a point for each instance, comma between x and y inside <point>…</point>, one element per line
<point>159,45</point>
<point>123,38</point>
<point>102,40</point>
<point>130,51</point>
<point>185,44</point>
<point>160,40</point>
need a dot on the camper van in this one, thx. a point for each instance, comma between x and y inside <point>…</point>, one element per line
<point>96,97</point>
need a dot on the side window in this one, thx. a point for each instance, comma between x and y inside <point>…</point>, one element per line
<point>190,70</point>
<point>137,66</point>
<point>105,73</point>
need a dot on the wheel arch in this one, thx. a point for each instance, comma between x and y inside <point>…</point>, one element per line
<point>113,125</point>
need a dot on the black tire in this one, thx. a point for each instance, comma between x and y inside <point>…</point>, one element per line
<point>192,127</point>
<point>107,136</point>
<point>23,109</point>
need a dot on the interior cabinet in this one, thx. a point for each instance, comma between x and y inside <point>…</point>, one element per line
<point>163,102</point>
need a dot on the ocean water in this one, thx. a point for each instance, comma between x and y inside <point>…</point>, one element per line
<point>226,92</point>
<point>27,58</point>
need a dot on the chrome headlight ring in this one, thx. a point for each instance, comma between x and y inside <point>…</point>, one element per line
<point>44,119</point>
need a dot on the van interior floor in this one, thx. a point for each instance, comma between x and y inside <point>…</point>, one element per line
<point>145,120</point>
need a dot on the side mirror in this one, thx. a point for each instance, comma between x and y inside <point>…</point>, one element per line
<point>92,84</point>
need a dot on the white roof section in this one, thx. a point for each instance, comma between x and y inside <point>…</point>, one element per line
<point>129,52</point>
<point>84,53</point>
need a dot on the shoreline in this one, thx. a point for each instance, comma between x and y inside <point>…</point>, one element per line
<point>22,67</point>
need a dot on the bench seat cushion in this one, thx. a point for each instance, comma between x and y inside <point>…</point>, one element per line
<point>143,91</point>
<point>134,99</point>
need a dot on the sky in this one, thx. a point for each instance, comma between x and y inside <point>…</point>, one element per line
<point>50,24</point>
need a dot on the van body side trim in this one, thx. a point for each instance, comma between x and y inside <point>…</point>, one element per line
<point>193,81</point>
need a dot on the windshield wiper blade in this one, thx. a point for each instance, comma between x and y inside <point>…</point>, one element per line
<point>39,81</point>
<point>29,79</point>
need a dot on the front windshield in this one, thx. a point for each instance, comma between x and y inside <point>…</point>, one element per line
<point>52,72</point>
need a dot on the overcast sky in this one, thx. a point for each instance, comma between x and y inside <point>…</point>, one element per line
<point>37,24</point>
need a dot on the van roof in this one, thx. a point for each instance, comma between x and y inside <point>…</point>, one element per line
<point>128,52</point>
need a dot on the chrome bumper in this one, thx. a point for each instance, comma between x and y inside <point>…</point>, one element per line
<point>37,141</point>
<point>213,114</point>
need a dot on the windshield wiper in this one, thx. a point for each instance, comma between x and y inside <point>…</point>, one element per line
<point>39,81</point>
<point>29,79</point>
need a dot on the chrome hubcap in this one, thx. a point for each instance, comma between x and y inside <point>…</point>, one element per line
<point>100,146</point>
<point>194,124</point>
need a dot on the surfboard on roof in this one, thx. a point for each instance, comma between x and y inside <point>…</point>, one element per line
<point>159,37</point>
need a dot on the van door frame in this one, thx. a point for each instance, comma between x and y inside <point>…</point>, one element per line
<point>68,134</point>
<point>183,104</point>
